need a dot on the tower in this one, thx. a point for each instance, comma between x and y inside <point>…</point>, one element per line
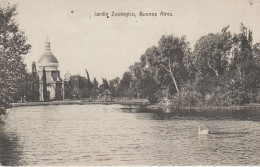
<point>55,85</point>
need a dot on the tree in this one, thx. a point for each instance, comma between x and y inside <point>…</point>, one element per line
<point>12,47</point>
<point>114,86</point>
<point>126,80</point>
<point>81,87</point>
<point>44,82</point>
<point>95,82</point>
<point>89,83</point>
<point>13,40</point>
<point>166,62</point>
<point>149,88</point>
<point>209,62</point>
<point>224,69</point>
<point>95,87</point>
<point>211,53</point>
<point>75,90</point>
<point>245,69</point>
<point>125,86</point>
<point>34,83</point>
<point>105,84</point>
<point>67,89</point>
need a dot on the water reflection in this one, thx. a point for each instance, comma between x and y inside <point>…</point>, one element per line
<point>252,114</point>
<point>9,147</point>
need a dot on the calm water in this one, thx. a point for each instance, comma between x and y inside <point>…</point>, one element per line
<point>123,135</point>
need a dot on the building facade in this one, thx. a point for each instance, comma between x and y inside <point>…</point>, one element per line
<point>55,85</point>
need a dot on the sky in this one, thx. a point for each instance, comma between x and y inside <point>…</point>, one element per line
<point>106,47</point>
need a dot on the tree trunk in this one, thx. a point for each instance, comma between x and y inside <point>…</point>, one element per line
<point>173,78</point>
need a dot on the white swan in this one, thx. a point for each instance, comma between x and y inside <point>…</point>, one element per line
<point>203,132</point>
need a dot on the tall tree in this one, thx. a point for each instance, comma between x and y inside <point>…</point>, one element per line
<point>126,80</point>
<point>12,47</point>
<point>35,83</point>
<point>44,81</point>
<point>114,85</point>
<point>34,70</point>
<point>166,61</point>
<point>105,83</point>
<point>245,67</point>
<point>95,87</point>
<point>89,83</point>
<point>211,53</point>
<point>95,82</point>
<point>209,62</point>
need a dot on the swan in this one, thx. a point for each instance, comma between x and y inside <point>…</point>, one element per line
<point>203,132</point>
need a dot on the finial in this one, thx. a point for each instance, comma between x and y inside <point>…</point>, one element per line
<point>47,44</point>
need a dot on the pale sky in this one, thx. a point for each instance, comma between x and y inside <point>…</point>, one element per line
<point>108,46</point>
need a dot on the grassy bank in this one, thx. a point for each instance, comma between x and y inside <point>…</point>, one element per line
<point>247,106</point>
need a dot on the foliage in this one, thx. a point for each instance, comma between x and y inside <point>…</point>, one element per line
<point>44,83</point>
<point>12,46</point>
<point>125,86</point>
<point>223,69</point>
<point>104,85</point>
<point>80,87</point>
<point>68,90</point>
<point>211,52</point>
<point>34,84</point>
<point>245,68</point>
<point>188,96</point>
<point>169,63</point>
<point>114,86</point>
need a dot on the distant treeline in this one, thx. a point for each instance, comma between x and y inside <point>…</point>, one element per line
<point>81,87</point>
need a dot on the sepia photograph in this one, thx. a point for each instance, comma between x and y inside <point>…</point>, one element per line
<point>129,83</point>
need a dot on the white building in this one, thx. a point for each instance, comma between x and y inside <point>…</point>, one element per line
<point>55,85</point>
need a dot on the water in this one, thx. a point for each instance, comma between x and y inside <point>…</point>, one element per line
<point>125,135</point>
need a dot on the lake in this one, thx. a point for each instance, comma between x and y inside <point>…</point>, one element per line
<point>127,135</point>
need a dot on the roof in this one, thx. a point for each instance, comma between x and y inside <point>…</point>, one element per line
<point>48,57</point>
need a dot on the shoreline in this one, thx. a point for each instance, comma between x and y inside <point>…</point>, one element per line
<point>79,102</point>
<point>246,106</point>
<point>142,103</point>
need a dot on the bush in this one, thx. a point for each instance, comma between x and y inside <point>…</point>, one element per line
<point>187,97</point>
<point>2,111</point>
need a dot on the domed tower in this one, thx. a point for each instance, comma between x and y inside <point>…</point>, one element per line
<point>49,63</point>
<point>67,77</point>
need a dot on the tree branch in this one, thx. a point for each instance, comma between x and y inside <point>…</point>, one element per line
<point>165,68</point>
<point>216,72</point>
<point>173,78</point>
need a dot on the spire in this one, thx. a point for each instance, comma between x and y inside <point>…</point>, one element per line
<point>47,44</point>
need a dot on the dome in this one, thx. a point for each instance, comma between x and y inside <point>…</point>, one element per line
<point>48,59</point>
